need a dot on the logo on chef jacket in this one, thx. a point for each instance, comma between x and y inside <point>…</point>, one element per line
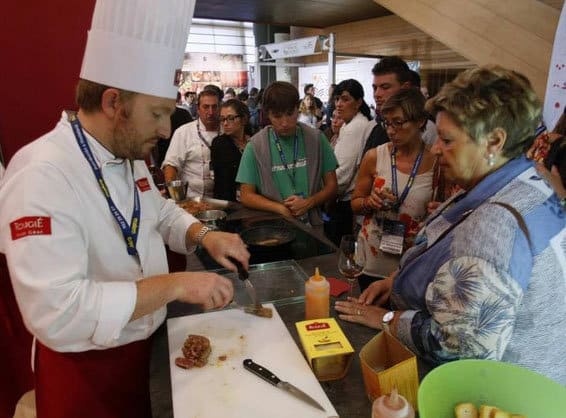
<point>143,184</point>
<point>315,326</point>
<point>30,225</point>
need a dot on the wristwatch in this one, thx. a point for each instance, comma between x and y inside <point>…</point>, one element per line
<point>200,236</point>
<point>386,321</point>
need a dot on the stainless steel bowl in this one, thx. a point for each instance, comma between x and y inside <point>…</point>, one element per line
<point>214,218</point>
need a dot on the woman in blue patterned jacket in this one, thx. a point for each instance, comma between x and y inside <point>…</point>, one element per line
<point>487,275</point>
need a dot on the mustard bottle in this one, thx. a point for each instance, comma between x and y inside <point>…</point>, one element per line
<point>392,406</point>
<point>317,297</point>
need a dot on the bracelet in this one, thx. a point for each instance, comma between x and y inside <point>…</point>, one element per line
<point>200,236</point>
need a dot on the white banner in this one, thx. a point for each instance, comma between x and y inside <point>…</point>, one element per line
<point>555,98</point>
<point>295,48</point>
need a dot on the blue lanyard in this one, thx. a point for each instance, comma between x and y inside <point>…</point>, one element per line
<point>290,174</point>
<point>411,180</point>
<point>130,232</point>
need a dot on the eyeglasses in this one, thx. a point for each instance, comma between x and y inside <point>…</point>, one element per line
<point>395,124</point>
<point>229,118</point>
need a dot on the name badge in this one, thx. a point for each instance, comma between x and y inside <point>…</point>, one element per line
<point>392,237</point>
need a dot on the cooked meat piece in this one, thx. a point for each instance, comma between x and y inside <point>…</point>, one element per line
<point>196,350</point>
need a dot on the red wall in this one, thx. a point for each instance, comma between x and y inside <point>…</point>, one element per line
<point>41,48</point>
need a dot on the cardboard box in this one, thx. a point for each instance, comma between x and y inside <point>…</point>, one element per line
<point>326,348</point>
<point>387,363</point>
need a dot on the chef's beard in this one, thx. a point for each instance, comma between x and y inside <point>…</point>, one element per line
<point>126,138</point>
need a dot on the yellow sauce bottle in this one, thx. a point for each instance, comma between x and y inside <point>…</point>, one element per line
<point>317,297</point>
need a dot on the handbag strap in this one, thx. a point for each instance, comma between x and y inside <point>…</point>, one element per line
<point>520,221</point>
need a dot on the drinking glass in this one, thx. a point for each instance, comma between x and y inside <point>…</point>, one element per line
<point>351,259</point>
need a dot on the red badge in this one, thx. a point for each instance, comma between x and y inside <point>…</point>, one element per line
<point>143,184</point>
<point>30,225</point>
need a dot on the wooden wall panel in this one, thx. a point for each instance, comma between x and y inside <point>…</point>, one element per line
<point>388,35</point>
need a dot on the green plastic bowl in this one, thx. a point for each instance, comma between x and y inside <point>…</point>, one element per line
<point>506,386</point>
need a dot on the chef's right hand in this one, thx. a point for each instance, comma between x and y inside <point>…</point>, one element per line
<point>209,290</point>
<point>378,292</point>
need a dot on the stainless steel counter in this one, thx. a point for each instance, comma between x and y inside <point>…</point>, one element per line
<point>347,395</point>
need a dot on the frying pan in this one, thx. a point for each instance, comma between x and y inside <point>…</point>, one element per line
<point>267,235</point>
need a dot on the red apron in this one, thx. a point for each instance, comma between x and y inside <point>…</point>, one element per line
<point>112,383</point>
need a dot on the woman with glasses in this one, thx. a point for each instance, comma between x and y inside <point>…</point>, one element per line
<point>226,150</point>
<point>403,174</point>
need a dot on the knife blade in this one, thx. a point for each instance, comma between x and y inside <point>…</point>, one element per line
<point>268,376</point>
<point>243,275</point>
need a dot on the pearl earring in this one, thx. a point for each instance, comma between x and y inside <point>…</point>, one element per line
<point>491,159</point>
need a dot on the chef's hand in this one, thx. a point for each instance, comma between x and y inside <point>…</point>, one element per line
<point>209,290</point>
<point>297,205</point>
<point>353,311</point>
<point>222,245</point>
<point>378,292</point>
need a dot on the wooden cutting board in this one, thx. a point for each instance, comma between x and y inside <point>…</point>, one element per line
<point>224,389</point>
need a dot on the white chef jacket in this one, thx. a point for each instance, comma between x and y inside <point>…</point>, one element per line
<point>74,281</point>
<point>191,157</point>
<point>349,147</point>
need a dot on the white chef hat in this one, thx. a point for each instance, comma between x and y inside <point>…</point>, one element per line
<point>138,45</point>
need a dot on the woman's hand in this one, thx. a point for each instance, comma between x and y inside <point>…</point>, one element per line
<point>378,292</point>
<point>353,311</point>
<point>380,199</point>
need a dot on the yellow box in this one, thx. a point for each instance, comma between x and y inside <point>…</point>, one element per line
<point>326,348</point>
<point>386,363</point>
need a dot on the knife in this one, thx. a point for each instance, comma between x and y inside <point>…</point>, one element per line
<point>275,381</point>
<point>243,275</point>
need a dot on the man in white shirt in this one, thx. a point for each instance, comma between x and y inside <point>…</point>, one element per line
<point>188,155</point>
<point>85,242</point>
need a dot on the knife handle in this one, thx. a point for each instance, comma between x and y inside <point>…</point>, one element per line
<point>242,273</point>
<point>261,371</point>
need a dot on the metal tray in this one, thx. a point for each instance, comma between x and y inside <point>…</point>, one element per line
<point>280,282</point>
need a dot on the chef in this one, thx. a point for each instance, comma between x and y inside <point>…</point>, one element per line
<point>83,225</point>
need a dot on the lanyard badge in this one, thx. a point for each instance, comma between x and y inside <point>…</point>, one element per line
<point>129,232</point>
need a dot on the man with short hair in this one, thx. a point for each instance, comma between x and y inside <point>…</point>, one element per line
<point>188,155</point>
<point>390,75</point>
<point>83,225</point>
<point>288,167</point>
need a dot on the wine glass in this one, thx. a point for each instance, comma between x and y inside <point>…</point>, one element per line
<point>351,259</point>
